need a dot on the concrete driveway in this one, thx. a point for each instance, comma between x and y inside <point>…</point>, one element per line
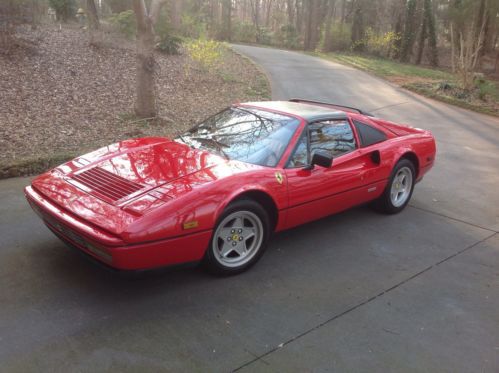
<point>354,292</point>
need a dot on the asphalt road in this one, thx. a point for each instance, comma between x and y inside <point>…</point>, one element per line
<point>354,292</point>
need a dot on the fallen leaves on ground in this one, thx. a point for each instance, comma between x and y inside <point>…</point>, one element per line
<point>64,97</point>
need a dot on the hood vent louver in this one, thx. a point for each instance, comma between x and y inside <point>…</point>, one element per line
<point>105,184</point>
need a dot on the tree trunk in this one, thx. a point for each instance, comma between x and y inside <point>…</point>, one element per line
<point>488,38</point>
<point>118,6</point>
<point>409,31</point>
<point>329,23</point>
<point>397,45</point>
<point>226,20</point>
<point>432,33</point>
<point>422,39</point>
<point>145,102</point>
<point>268,9</point>
<point>453,49</point>
<point>93,21</point>
<point>290,7</point>
<point>255,10</point>
<point>312,24</point>
<point>176,14</point>
<point>308,25</point>
<point>483,18</point>
<point>358,29</point>
<point>299,16</point>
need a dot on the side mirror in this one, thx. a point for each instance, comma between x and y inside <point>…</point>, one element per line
<point>320,159</point>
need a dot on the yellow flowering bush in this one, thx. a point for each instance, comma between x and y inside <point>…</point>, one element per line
<point>382,44</point>
<point>206,53</point>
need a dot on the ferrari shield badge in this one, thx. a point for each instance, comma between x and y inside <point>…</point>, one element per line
<point>278,177</point>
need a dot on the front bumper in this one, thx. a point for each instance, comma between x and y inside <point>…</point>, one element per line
<point>111,250</point>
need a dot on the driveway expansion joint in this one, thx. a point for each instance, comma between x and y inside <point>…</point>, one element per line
<point>388,106</point>
<point>451,218</point>
<point>369,300</point>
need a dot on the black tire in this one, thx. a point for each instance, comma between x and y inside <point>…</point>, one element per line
<point>251,213</point>
<point>385,203</point>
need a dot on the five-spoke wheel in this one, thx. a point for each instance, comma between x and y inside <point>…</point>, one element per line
<point>401,187</point>
<point>398,192</point>
<point>239,238</point>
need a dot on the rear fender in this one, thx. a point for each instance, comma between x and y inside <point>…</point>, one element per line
<point>421,152</point>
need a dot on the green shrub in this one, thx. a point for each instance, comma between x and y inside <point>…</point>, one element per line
<point>244,32</point>
<point>264,36</point>
<point>169,44</point>
<point>341,36</point>
<point>288,37</point>
<point>486,89</point>
<point>125,23</point>
<point>192,27</point>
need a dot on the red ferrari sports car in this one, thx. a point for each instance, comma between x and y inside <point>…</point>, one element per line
<point>217,192</point>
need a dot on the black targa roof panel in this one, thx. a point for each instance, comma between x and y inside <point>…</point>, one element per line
<point>311,113</point>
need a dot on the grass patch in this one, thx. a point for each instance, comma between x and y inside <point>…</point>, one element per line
<point>425,81</point>
<point>388,68</point>
<point>228,77</point>
<point>259,89</point>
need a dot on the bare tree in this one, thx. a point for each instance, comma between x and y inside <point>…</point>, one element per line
<point>226,33</point>
<point>255,13</point>
<point>428,32</point>
<point>329,23</point>
<point>291,9</point>
<point>409,31</point>
<point>93,21</point>
<point>470,44</point>
<point>312,24</point>
<point>358,26</point>
<point>145,102</point>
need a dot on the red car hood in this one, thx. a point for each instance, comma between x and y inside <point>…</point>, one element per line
<point>115,185</point>
<point>122,171</point>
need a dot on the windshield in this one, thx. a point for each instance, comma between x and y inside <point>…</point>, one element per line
<point>244,134</point>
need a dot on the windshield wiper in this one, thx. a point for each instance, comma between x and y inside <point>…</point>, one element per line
<point>183,140</point>
<point>217,144</point>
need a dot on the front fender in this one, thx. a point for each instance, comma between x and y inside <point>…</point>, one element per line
<point>271,183</point>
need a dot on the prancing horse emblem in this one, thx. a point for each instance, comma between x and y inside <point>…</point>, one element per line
<point>278,177</point>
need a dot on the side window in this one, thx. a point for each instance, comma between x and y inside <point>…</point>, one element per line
<point>367,134</point>
<point>334,137</point>
<point>300,155</point>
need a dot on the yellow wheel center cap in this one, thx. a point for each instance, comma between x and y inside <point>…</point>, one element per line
<point>235,237</point>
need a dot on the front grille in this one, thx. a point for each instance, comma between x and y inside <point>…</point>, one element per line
<point>56,226</point>
<point>107,184</point>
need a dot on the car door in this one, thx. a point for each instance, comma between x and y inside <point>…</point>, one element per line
<point>317,192</point>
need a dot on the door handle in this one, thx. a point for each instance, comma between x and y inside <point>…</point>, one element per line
<point>376,157</point>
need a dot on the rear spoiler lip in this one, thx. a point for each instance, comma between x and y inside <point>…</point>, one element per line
<point>298,100</point>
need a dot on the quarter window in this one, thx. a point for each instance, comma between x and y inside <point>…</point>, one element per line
<point>333,137</point>
<point>367,134</point>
